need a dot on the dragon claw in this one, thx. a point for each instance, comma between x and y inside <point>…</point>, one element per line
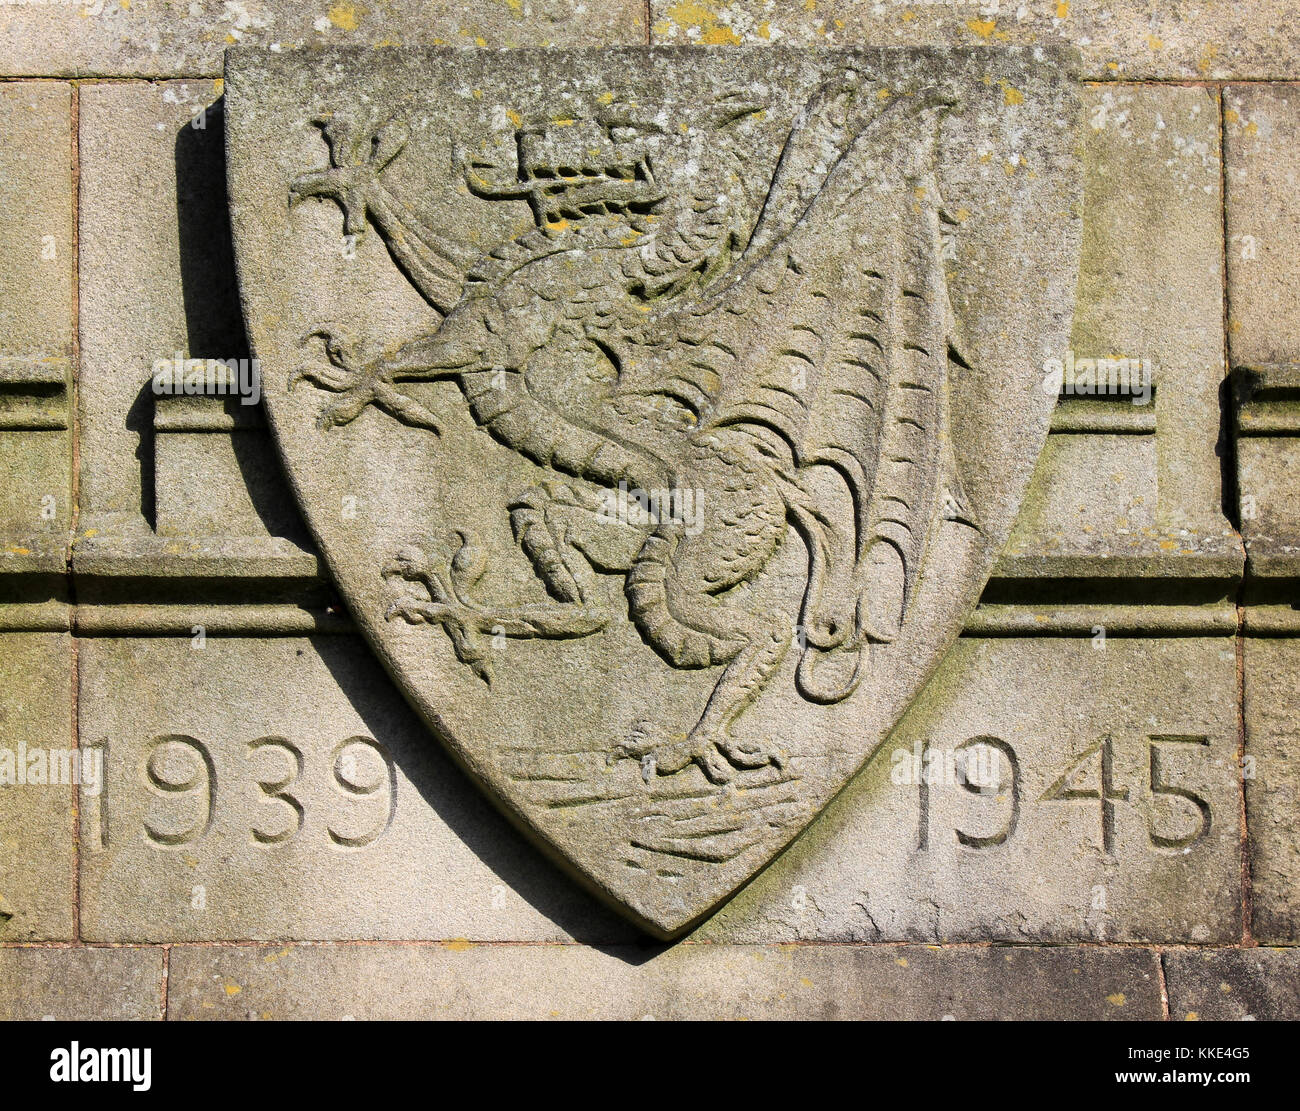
<point>718,757</point>
<point>358,383</point>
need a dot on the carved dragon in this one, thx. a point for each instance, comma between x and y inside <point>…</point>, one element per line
<point>657,329</point>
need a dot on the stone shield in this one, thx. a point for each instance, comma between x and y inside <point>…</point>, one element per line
<point>660,413</point>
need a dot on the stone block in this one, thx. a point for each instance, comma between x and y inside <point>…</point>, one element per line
<point>1262,156</point>
<point>80,985</point>
<point>1139,39</point>
<point>36,314</point>
<point>281,788</point>
<point>1101,803</point>
<point>1225,985</point>
<point>1272,778</point>
<point>1130,485</point>
<point>1261,129</point>
<point>463,981</point>
<point>38,786</point>
<point>186,38</point>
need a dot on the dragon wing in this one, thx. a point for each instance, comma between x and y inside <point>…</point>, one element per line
<point>832,341</point>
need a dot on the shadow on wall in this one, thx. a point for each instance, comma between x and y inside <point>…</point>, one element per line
<point>450,794</point>
<point>214,325</point>
<point>215,330</point>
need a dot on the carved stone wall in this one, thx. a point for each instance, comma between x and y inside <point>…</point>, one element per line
<point>1131,667</point>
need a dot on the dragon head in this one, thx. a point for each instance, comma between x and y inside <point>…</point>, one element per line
<point>621,159</point>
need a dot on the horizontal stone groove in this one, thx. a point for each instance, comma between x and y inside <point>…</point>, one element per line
<point>145,619</point>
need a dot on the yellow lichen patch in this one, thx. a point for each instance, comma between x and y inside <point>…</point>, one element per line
<point>805,981</point>
<point>1192,1016</point>
<point>514,117</point>
<point>344,17</point>
<point>563,121</point>
<point>720,36</point>
<point>699,19</point>
<point>962,214</point>
<point>692,13</point>
<point>479,40</point>
<point>908,15</point>
<point>1251,128</point>
<point>1207,59</point>
<point>1231,116</point>
<point>883,94</point>
<point>901,962</point>
<point>233,989</point>
<point>1063,9</point>
<point>605,98</point>
<point>982,27</point>
<point>1155,42</point>
<point>1116,1000</point>
<point>765,30</point>
<point>459,945</point>
<point>1225,988</point>
<point>516,6</point>
<point>1012,96</point>
<point>218,83</point>
<point>1168,545</point>
<point>810,5</point>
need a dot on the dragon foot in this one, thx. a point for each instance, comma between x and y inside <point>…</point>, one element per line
<point>432,585</point>
<point>718,756</point>
<point>357,381</point>
<point>359,152</point>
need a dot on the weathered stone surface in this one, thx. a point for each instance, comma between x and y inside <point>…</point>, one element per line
<point>80,984</point>
<point>1261,128</point>
<point>685,982</point>
<point>1040,858</point>
<point>188,530</point>
<point>153,206</point>
<point>1130,485</point>
<point>309,831</point>
<point>36,235</point>
<point>1233,984</point>
<point>36,825</point>
<point>756,322</point>
<point>186,38</point>
<point>36,261</point>
<point>1272,677</point>
<point>1262,153</point>
<point>173,490</point>
<point>860,874</point>
<point>1198,39</point>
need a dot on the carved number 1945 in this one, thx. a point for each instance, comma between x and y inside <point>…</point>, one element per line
<point>1089,778</point>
